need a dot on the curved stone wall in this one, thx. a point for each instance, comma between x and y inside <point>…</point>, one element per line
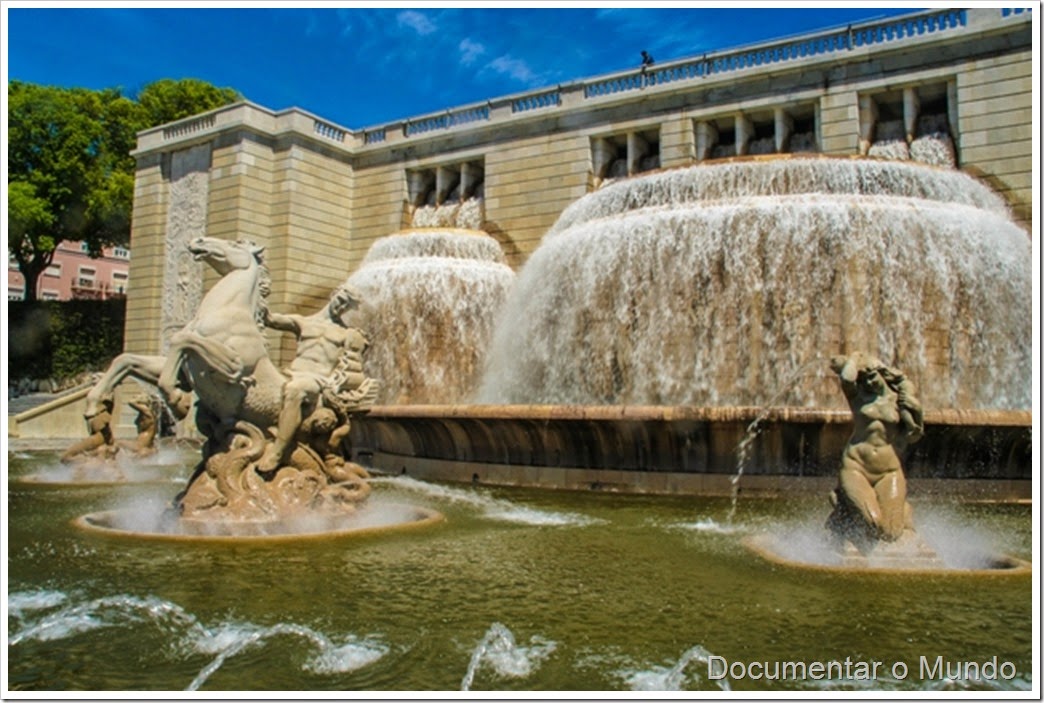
<point>673,449</point>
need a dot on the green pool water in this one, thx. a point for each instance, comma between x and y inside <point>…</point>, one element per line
<point>516,590</point>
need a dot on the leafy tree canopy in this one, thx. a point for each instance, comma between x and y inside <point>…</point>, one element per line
<point>168,100</point>
<point>70,169</point>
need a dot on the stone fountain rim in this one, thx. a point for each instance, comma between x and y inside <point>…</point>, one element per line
<point>32,481</point>
<point>669,413</point>
<point>430,517</point>
<point>758,545</point>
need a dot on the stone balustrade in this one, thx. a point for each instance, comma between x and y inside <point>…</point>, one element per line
<point>822,45</point>
<point>327,130</point>
<point>446,120</point>
<point>190,126</point>
<point>551,98</point>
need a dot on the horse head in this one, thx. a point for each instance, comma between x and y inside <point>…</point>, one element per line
<point>225,256</point>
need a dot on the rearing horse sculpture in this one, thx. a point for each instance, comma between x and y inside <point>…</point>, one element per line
<point>221,353</point>
<point>221,356</point>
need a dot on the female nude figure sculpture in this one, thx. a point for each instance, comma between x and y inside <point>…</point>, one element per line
<point>870,501</point>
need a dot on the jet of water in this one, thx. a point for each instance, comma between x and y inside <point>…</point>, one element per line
<point>754,429</point>
<point>674,678</point>
<point>499,650</point>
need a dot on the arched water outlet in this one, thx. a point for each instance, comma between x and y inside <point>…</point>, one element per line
<point>434,296</point>
<point>711,285</point>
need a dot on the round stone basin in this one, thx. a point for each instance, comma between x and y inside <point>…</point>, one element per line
<point>369,520</point>
<point>779,550</point>
<point>51,481</point>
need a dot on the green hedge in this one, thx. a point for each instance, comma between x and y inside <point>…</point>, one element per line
<point>59,339</point>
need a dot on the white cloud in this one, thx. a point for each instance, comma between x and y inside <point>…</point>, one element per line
<point>517,69</point>
<point>469,51</point>
<point>417,21</point>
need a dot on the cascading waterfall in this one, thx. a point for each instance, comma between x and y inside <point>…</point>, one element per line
<point>433,296</point>
<point>712,285</point>
<point>467,214</point>
<point>933,144</point>
<point>891,141</point>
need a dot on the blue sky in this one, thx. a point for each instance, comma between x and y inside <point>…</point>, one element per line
<point>361,67</point>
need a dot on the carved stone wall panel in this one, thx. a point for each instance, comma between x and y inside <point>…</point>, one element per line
<point>186,219</point>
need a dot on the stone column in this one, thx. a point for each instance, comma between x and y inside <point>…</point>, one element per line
<point>446,179</point>
<point>951,109</point>
<point>418,183</point>
<point>706,139</point>
<point>783,129</point>
<point>744,133</point>
<point>867,122</point>
<point>637,149</point>
<point>602,157</point>
<point>471,175</point>
<point>911,111</point>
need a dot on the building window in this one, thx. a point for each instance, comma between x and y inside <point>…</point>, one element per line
<point>121,253</point>
<point>85,277</point>
<point>48,294</point>
<point>15,293</point>
<point>54,270</point>
<point>84,248</point>
<point>119,281</point>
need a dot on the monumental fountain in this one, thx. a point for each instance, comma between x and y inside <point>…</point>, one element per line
<point>665,318</point>
<point>715,296</point>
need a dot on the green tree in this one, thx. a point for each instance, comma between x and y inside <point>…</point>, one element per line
<point>167,100</point>
<point>70,169</point>
<point>63,175</point>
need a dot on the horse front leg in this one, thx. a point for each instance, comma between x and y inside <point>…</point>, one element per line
<point>167,381</point>
<point>142,367</point>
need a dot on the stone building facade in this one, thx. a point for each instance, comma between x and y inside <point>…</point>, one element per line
<point>317,195</point>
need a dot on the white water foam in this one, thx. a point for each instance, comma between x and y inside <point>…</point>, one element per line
<point>331,658</point>
<point>673,678</point>
<point>960,545</point>
<point>110,611</point>
<point>190,637</point>
<point>508,659</point>
<point>492,508</point>
<point>23,602</point>
<point>711,525</point>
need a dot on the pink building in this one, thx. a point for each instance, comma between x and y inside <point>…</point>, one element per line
<point>73,274</point>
